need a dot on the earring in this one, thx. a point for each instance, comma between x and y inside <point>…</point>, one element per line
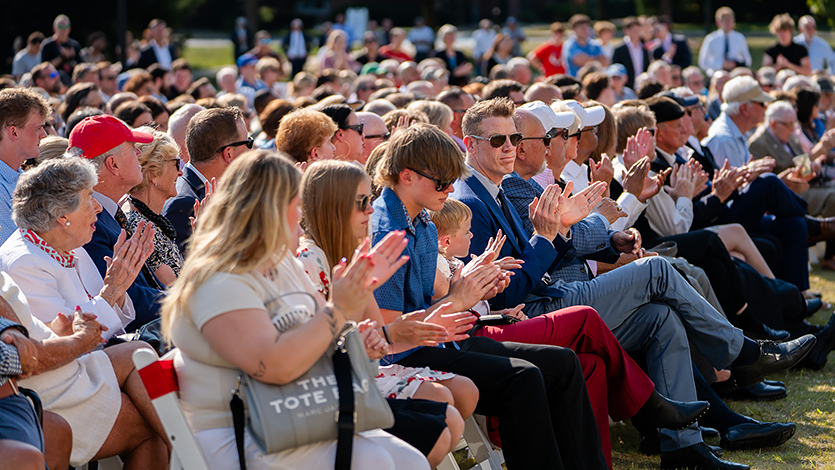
<point>67,224</point>
<point>155,185</point>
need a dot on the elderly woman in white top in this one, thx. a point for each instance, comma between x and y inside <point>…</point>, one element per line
<point>46,272</point>
<point>54,207</point>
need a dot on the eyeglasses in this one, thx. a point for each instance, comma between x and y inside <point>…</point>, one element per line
<point>355,127</point>
<point>593,130</point>
<point>545,139</point>
<point>459,110</point>
<point>554,133</point>
<point>362,203</point>
<point>175,159</point>
<point>379,136</point>
<point>440,186</point>
<point>497,140</point>
<point>63,26</point>
<point>787,124</point>
<point>248,142</point>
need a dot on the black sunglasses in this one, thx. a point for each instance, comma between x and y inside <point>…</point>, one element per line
<point>554,133</point>
<point>497,140</point>
<point>593,130</point>
<point>362,203</point>
<point>440,186</point>
<point>545,140</point>
<point>379,136</point>
<point>355,127</point>
<point>248,142</point>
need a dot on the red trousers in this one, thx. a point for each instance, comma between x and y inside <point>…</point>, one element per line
<point>617,386</point>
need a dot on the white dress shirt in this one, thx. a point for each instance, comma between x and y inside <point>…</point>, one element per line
<point>577,174</point>
<point>712,53</point>
<point>296,49</point>
<point>821,54</point>
<point>163,55</point>
<point>636,52</point>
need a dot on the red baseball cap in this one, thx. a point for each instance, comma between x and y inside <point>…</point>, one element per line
<point>96,135</point>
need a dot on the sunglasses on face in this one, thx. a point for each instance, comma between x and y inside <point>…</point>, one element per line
<point>593,130</point>
<point>440,186</point>
<point>362,203</point>
<point>497,140</point>
<point>379,136</point>
<point>554,133</point>
<point>355,127</point>
<point>545,139</point>
<point>175,159</point>
<point>248,142</point>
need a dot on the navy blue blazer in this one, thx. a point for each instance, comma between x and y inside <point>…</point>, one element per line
<point>707,209</point>
<point>538,253</point>
<point>179,208</point>
<point>145,297</point>
<point>683,58</point>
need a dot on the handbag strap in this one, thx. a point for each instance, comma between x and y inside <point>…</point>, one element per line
<point>346,418</point>
<point>237,406</point>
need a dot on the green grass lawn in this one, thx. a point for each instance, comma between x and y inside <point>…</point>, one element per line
<point>810,404</point>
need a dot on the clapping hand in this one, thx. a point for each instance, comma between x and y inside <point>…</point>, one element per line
<point>457,325</point>
<point>129,256</point>
<point>627,241</point>
<point>375,344</point>
<point>610,209</point>
<point>385,255</point>
<point>602,171</point>
<point>638,146</point>
<point>199,205</point>
<point>577,207</point>
<point>726,180</point>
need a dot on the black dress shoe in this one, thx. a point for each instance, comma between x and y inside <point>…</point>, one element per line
<point>697,456</point>
<point>775,382</point>
<point>759,392</point>
<point>769,334</point>
<point>709,433</point>
<point>816,359</point>
<point>774,357</point>
<point>651,445</point>
<point>661,412</point>
<point>812,306</point>
<point>757,435</point>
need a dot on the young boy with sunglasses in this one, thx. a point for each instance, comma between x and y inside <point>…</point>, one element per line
<point>537,392</point>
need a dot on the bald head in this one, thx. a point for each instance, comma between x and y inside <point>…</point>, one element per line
<point>421,89</point>
<point>178,125</point>
<point>543,92</point>
<point>530,154</point>
<point>373,129</point>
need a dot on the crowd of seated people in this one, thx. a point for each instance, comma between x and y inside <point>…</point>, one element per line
<point>552,241</point>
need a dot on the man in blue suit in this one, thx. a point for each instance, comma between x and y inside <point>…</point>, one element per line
<point>646,291</point>
<point>214,138</point>
<point>109,144</point>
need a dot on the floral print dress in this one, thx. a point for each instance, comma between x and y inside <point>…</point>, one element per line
<point>394,381</point>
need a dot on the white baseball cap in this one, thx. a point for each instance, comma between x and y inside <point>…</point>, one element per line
<point>592,116</point>
<point>547,116</point>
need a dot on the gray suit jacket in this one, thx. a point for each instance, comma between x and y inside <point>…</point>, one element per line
<point>763,144</point>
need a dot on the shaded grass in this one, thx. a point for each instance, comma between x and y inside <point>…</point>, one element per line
<point>810,404</point>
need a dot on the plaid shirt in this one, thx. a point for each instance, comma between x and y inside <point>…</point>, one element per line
<point>9,359</point>
<point>411,288</point>
<point>588,236</point>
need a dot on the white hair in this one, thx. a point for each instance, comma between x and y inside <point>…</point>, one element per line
<point>779,110</point>
<point>518,61</point>
<point>226,72</point>
<point>689,71</point>
<point>731,109</point>
<point>655,66</point>
<point>784,75</point>
<point>683,91</point>
<point>804,20</point>
<point>798,81</point>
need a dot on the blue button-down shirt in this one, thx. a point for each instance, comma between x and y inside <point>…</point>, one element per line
<point>726,142</point>
<point>821,54</point>
<point>8,181</point>
<point>411,288</point>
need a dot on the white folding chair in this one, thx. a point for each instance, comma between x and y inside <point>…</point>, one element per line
<point>486,455</point>
<point>160,381</point>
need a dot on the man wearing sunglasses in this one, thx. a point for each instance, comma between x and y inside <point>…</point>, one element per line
<point>576,170</point>
<point>374,133</point>
<point>60,49</point>
<point>45,76</point>
<point>636,300</point>
<point>215,137</point>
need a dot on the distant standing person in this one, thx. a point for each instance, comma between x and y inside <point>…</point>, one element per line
<point>514,31</point>
<point>296,45</point>
<point>242,37</point>
<point>821,55</point>
<point>724,49</point>
<point>786,54</point>
<point>483,38</point>
<point>423,38</point>
<point>29,56</point>
<point>631,53</point>
<point>158,50</point>
<point>673,48</point>
<point>61,49</point>
<point>579,50</point>
<point>547,57</point>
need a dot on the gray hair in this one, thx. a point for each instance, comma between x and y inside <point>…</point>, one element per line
<point>690,71</point>
<point>779,110</point>
<point>732,109</point>
<point>49,191</point>
<point>98,160</point>
<point>226,72</point>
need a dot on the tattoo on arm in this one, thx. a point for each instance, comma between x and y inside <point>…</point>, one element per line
<point>329,311</point>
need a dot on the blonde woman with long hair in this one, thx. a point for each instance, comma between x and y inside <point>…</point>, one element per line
<point>336,205</point>
<point>218,313</point>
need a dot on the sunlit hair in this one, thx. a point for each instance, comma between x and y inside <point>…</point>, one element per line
<point>628,120</point>
<point>154,156</point>
<point>329,190</point>
<point>450,217</point>
<point>301,130</point>
<point>497,107</point>
<point>438,113</point>
<point>607,133</point>
<point>421,147</point>
<point>371,167</point>
<point>242,227</point>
